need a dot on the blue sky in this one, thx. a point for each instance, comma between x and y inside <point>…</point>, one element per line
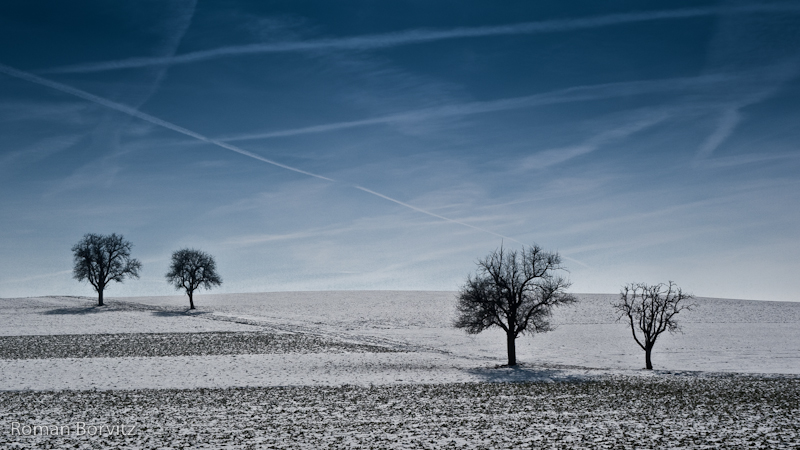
<point>316,145</point>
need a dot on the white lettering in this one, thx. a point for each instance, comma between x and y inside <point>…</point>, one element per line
<point>81,429</point>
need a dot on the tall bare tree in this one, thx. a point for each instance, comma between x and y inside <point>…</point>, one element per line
<point>650,310</point>
<point>192,269</point>
<point>101,259</point>
<point>515,291</point>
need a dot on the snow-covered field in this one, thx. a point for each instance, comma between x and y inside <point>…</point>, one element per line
<point>387,351</point>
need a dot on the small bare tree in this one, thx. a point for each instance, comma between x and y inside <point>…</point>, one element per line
<point>515,291</point>
<point>650,311</point>
<point>102,259</point>
<point>192,269</point>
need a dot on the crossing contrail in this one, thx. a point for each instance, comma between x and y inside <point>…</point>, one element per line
<point>171,126</point>
<point>419,36</point>
<point>146,117</point>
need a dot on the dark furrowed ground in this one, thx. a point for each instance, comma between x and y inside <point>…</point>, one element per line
<point>620,412</point>
<point>171,344</point>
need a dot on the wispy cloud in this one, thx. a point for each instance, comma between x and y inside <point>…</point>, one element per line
<point>168,125</point>
<point>730,115</point>
<point>419,36</point>
<point>378,194</point>
<point>727,124</point>
<point>169,46</point>
<point>257,239</point>
<point>58,274</point>
<point>547,158</point>
<point>40,150</point>
<point>742,42</point>
<point>64,112</point>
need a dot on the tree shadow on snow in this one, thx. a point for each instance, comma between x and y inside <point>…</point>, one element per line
<point>179,313</point>
<point>77,310</point>
<point>521,373</point>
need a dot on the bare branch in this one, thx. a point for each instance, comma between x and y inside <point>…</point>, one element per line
<point>651,310</point>
<point>515,291</point>
<point>100,259</point>
<point>192,269</point>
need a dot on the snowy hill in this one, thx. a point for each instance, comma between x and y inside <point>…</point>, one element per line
<point>362,337</point>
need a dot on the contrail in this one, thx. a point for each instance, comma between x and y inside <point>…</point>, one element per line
<point>146,117</point>
<point>377,41</point>
<point>172,47</point>
<point>573,94</point>
<point>369,191</point>
<point>171,126</point>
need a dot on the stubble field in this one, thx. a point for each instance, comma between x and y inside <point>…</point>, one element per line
<point>385,370</point>
<point>731,412</point>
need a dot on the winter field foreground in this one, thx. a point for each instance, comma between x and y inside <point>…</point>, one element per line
<point>386,369</point>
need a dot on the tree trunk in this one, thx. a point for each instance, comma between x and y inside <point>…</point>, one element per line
<point>191,302</point>
<point>649,365</point>
<point>100,297</point>
<point>511,343</point>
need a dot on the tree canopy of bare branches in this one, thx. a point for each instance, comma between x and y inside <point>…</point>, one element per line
<point>650,310</point>
<point>192,269</point>
<point>515,291</point>
<point>102,259</point>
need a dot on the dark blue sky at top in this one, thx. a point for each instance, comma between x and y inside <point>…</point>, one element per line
<point>387,145</point>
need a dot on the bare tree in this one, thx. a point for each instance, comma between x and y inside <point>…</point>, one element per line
<point>651,310</point>
<point>102,259</point>
<point>515,291</point>
<point>192,269</point>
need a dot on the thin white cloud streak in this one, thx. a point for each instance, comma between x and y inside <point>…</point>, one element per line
<point>251,240</point>
<point>168,125</point>
<point>740,160</point>
<point>747,193</point>
<point>36,277</point>
<point>40,150</point>
<point>573,94</point>
<point>248,241</point>
<point>595,226</point>
<point>420,36</point>
<point>663,219</point>
<point>22,111</point>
